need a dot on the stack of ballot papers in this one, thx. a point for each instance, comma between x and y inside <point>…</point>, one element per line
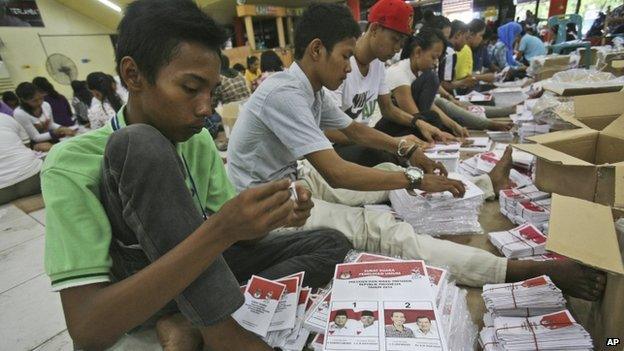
<point>553,331</point>
<point>275,310</point>
<point>500,136</point>
<point>440,213</point>
<point>523,241</point>
<point>483,163</point>
<point>531,297</point>
<point>378,302</point>
<point>383,305</point>
<point>525,204</point>
<point>530,129</point>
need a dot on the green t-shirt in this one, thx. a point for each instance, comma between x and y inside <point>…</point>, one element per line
<point>78,233</point>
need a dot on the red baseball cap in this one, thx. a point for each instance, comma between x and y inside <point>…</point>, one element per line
<point>392,14</point>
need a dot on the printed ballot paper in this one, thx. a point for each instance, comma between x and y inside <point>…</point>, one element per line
<point>386,306</point>
<point>261,299</point>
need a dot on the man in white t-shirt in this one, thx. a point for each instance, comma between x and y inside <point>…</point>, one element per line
<point>19,165</point>
<point>366,84</point>
<point>425,328</point>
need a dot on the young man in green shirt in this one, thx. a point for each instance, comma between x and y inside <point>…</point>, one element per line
<point>142,222</point>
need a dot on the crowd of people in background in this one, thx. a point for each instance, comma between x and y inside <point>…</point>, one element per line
<point>36,116</point>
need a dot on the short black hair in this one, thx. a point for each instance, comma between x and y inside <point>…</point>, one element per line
<point>341,313</point>
<point>9,96</point>
<point>270,62</point>
<point>251,60</point>
<point>239,67</point>
<point>44,85</point>
<point>367,313</point>
<point>331,23</point>
<point>423,317</point>
<point>438,22</point>
<point>425,39</point>
<point>26,91</point>
<point>458,27</point>
<point>151,31</point>
<point>476,25</point>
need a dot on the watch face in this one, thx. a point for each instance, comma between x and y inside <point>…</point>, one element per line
<point>415,173</point>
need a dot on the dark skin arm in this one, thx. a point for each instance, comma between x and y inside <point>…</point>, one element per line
<point>98,314</point>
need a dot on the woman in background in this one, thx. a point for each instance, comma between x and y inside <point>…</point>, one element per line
<point>270,63</point>
<point>35,116</point>
<point>105,103</point>
<point>503,55</point>
<point>61,110</point>
<point>81,101</point>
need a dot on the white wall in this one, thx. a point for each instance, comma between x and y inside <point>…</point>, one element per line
<point>24,55</point>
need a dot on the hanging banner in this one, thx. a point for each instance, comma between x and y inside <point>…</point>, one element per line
<point>20,13</point>
<point>453,6</point>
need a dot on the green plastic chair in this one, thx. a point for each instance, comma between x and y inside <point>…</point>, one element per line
<point>561,45</point>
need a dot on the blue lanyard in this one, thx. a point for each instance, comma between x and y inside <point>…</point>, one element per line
<point>116,126</point>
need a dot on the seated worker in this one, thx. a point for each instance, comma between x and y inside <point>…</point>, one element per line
<point>365,84</point>
<point>530,46</point>
<point>141,220</point>
<point>460,111</point>
<point>446,70</point>
<point>11,100</point>
<point>414,86</point>
<point>503,54</point>
<point>481,58</point>
<point>19,165</point>
<point>283,122</point>
<point>35,116</point>
<point>61,110</point>
<point>465,64</point>
<point>105,102</point>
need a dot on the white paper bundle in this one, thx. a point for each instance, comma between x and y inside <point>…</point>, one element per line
<point>500,136</point>
<point>531,297</point>
<point>525,204</point>
<point>554,331</point>
<point>440,213</point>
<point>530,129</point>
<point>525,240</point>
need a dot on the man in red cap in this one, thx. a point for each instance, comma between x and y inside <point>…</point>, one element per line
<point>389,24</point>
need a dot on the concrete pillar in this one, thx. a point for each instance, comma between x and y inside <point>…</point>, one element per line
<point>280,32</point>
<point>250,32</point>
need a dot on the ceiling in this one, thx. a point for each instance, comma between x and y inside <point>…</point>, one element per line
<point>221,10</point>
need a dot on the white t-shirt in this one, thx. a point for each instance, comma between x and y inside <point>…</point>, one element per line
<point>27,121</point>
<point>358,94</point>
<point>400,74</point>
<point>17,161</point>
<point>100,113</point>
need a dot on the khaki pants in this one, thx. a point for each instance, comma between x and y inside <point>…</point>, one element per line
<point>377,231</point>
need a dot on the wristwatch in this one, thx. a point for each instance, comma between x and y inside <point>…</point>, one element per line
<point>415,176</point>
<point>415,117</point>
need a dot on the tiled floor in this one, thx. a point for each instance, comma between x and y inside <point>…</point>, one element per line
<point>32,317</point>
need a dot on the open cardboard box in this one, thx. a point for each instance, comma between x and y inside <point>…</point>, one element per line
<point>599,110</point>
<point>585,232</point>
<point>564,90</point>
<point>583,163</point>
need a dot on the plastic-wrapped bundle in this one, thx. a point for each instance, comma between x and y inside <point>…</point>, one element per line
<point>583,78</point>
<point>456,320</point>
<point>440,213</point>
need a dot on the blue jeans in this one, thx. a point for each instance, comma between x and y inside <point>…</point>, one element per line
<point>151,211</point>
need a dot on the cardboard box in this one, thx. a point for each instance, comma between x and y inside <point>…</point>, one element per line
<point>583,163</point>
<point>552,64</point>
<point>563,90</point>
<point>229,115</point>
<point>585,232</point>
<point>599,110</point>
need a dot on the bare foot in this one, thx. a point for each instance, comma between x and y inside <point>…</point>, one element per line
<point>500,126</point>
<point>176,333</point>
<point>500,173</point>
<point>572,278</point>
